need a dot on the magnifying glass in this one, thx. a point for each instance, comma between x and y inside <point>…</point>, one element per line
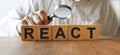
<point>62,12</point>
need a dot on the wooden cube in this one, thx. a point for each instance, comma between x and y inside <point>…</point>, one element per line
<point>76,32</point>
<point>60,32</point>
<point>28,33</point>
<point>91,32</point>
<point>44,32</point>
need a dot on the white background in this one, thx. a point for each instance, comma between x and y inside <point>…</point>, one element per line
<point>7,5</point>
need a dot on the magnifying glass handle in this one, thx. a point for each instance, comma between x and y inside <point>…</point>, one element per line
<point>50,18</point>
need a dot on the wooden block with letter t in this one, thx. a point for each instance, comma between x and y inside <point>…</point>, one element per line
<point>28,33</point>
<point>44,32</point>
<point>91,32</point>
<point>60,32</point>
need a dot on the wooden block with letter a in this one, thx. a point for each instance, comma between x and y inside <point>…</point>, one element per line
<point>91,32</point>
<point>76,32</point>
<point>44,32</point>
<point>28,33</point>
<point>60,32</point>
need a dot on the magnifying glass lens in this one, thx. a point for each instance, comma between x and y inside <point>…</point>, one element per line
<point>62,13</point>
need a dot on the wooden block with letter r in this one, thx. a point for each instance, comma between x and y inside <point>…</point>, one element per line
<point>60,32</point>
<point>28,33</point>
<point>44,32</point>
<point>91,32</point>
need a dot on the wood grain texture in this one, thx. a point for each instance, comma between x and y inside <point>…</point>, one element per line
<point>106,45</point>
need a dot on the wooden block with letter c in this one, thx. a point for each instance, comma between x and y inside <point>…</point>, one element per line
<point>76,32</point>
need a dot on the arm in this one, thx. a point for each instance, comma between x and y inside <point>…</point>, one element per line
<point>109,20</point>
<point>18,16</point>
<point>8,23</point>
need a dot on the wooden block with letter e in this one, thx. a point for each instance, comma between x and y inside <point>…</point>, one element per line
<point>91,32</point>
<point>60,32</point>
<point>44,32</point>
<point>28,33</point>
<point>76,32</point>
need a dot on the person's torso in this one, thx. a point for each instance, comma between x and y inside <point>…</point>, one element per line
<point>82,13</point>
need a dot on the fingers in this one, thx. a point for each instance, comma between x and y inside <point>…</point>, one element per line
<point>43,16</point>
<point>23,22</point>
<point>29,20</point>
<point>36,19</point>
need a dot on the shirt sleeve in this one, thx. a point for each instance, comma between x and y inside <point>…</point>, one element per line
<point>108,19</point>
<point>9,22</point>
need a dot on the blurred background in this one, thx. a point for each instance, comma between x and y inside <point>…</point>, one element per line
<point>7,5</point>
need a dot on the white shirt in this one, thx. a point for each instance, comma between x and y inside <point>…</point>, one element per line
<point>93,12</point>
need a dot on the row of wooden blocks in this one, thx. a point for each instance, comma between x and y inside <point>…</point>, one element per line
<point>62,32</point>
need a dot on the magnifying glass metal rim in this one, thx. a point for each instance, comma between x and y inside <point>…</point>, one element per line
<point>62,6</point>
